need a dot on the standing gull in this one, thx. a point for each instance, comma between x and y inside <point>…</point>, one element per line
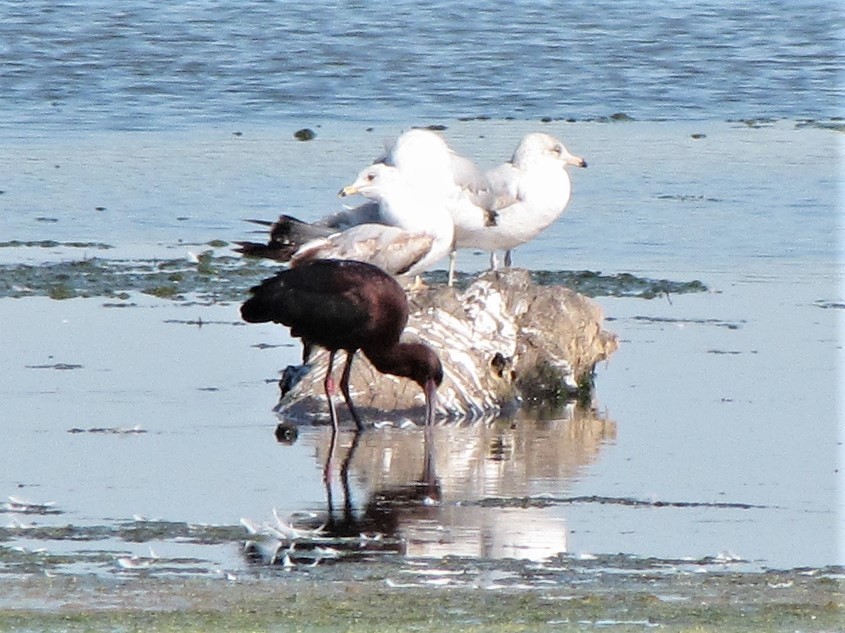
<point>408,227</point>
<point>427,159</point>
<point>416,186</point>
<point>347,305</point>
<point>501,209</point>
<point>526,195</point>
<point>408,205</point>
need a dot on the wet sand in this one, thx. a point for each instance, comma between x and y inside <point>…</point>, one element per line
<point>454,597</point>
<point>388,596</point>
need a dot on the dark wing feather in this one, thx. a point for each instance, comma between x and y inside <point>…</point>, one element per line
<point>287,234</point>
<point>332,303</point>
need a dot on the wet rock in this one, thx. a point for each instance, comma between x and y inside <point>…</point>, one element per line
<point>503,340</point>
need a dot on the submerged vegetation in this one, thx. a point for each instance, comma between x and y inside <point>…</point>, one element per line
<point>382,597</point>
<point>222,277</point>
<point>208,276</point>
<point>98,587</point>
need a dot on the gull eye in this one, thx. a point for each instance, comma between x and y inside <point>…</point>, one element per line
<point>371,177</point>
<point>558,149</point>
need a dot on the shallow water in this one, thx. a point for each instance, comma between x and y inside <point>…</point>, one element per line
<point>147,66</point>
<point>714,438</point>
<point>135,139</point>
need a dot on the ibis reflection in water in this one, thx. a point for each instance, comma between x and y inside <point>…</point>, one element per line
<point>347,305</point>
<point>490,490</point>
<point>343,531</point>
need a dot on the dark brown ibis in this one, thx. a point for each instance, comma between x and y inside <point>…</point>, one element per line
<point>347,305</point>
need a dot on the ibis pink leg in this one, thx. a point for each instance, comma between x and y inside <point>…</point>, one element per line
<point>328,385</point>
<point>344,389</point>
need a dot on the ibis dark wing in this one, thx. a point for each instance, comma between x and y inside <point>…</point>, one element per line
<point>325,302</point>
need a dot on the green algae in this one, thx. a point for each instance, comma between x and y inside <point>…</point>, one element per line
<point>61,291</point>
<point>596,284</point>
<point>547,384</point>
<point>163,292</point>
<point>835,124</point>
<point>718,602</point>
<point>53,243</point>
<point>131,532</point>
<point>221,278</point>
<point>730,325</point>
<point>546,501</point>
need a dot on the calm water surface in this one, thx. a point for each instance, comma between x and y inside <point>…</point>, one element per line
<point>716,432</point>
<point>144,65</point>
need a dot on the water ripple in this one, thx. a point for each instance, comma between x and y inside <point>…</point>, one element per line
<point>146,64</point>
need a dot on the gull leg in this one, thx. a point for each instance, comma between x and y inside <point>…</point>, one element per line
<point>453,257</point>
<point>417,285</point>
<point>508,258</point>
<point>344,389</point>
<point>494,263</point>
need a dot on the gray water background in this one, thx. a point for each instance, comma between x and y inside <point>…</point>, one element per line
<point>147,65</point>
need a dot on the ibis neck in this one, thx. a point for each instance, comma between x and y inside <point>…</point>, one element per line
<point>396,360</point>
<point>415,361</point>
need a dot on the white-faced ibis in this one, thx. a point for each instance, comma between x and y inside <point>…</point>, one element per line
<point>347,305</point>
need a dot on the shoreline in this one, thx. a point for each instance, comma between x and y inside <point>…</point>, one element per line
<point>384,600</point>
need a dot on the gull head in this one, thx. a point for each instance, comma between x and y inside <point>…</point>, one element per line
<point>373,181</point>
<point>537,147</point>
<point>417,145</point>
<point>422,155</point>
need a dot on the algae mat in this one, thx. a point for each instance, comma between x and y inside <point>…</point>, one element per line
<point>378,600</point>
<point>214,275</point>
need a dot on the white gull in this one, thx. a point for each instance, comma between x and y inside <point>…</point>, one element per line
<point>499,210</point>
<point>407,204</point>
<point>527,194</point>
<point>415,187</point>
